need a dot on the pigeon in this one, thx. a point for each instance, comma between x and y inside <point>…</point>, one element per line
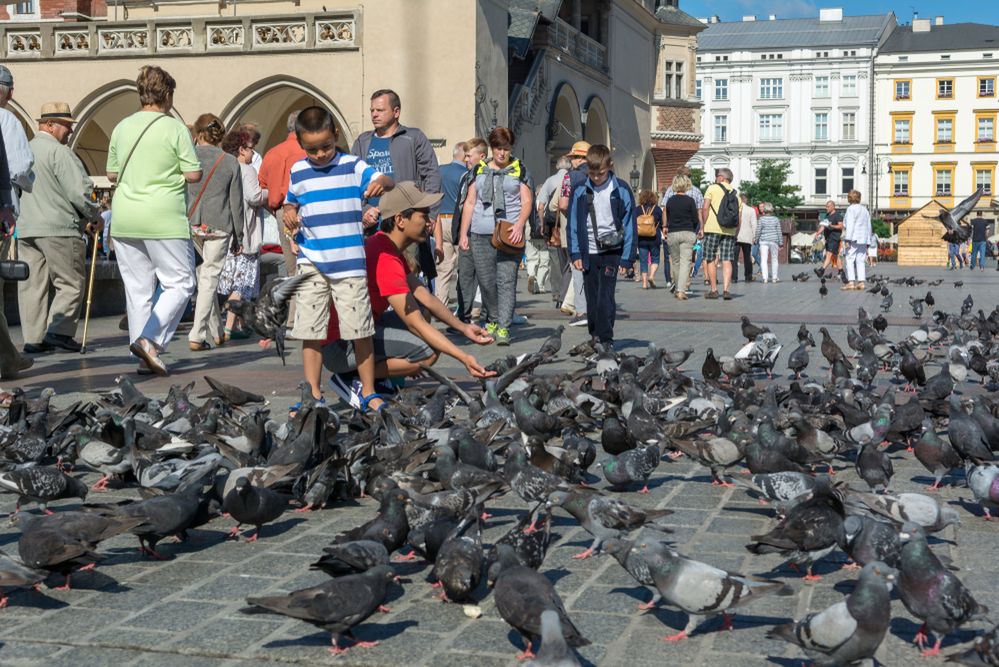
<point>940,386</point>
<point>41,485</point>
<point>965,433</point>
<point>936,454</point>
<point>951,218</point>
<point>16,575</point>
<point>797,361</point>
<point>866,540</point>
<point>161,516</point>
<point>458,567</point>
<point>830,350</point>
<point>711,369</point>
<point>703,590</point>
<point>874,467</point>
<point>255,505</point>
<point>336,605</point>
<point>985,652</point>
<point>714,453</point>
<point>554,651</point>
<point>927,512</point>
<point>805,336</point>
<point>529,546</point>
<point>931,592</point>
<point>268,314</point>
<point>983,480</point>
<point>880,323</point>
<point>967,305</point>
<point>823,290</point>
<point>887,303</point>
<point>750,331</point>
<point>339,560</point>
<point>602,516</point>
<point>930,301</point>
<point>911,369</point>
<point>390,527</point>
<point>638,562</point>
<point>810,531</point>
<point>958,284</point>
<point>917,308</point>
<point>634,465</point>
<point>851,630</point>
<point>782,486</point>
<point>231,394</point>
<point>522,595</point>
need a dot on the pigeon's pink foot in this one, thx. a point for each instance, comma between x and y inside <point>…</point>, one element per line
<point>437,584</point>
<point>812,577</point>
<point>254,538</point>
<point>532,528</point>
<point>48,512</point>
<point>405,559</point>
<point>65,586</point>
<point>526,654</point>
<point>675,638</point>
<point>585,554</point>
<point>306,508</point>
<point>336,650</point>
<point>88,567</point>
<point>360,644</point>
<point>235,531</point>
<point>929,653</point>
<point>645,606</point>
<point>645,489</point>
<point>921,637</point>
<point>3,601</point>
<point>762,501</point>
<point>485,516</point>
<point>443,596</point>
<point>675,455</point>
<point>382,608</point>
<point>851,566</point>
<point>265,343</point>
<point>726,622</point>
<point>100,485</point>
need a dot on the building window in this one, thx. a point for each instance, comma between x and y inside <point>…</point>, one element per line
<point>945,57</point>
<point>771,127</point>
<point>986,129</point>
<point>771,89</point>
<point>983,179</point>
<point>945,130</point>
<point>26,8</point>
<point>943,177</point>
<point>849,126</point>
<point>900,182</point>
<point>721,89</point>
<point>847,179</point>
<point>822,86</point>
<point>721,129</point>
<point>850,85</point>
<point>697,88</point>
<point>667,79</point>
<point>903,89</point>
<point>678,82</point>
<point>945,89</point>
<point>821,180</point>
<point>903,127</point>
<point>822,126</point>
<point>986,86</point>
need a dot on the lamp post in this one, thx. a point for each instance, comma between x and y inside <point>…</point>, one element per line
<point>635,175</point>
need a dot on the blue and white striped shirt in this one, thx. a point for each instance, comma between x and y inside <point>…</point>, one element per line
<point>331,237</point>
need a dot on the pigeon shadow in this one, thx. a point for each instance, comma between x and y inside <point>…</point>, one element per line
<point>364,632</point>
<point>32,599</point>
<point>280,528</point>
<point>516,640</point>
<point>635,592</point>
<point>556,575</point>
<point>760,510</point>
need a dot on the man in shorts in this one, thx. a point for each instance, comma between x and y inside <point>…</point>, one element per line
<point>719,242</point>
<point>404,339</point>
<point>323,211</point>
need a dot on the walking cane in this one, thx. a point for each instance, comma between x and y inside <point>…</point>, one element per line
<point>90,293</point>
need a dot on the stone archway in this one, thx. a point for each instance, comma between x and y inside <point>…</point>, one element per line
<point>268,103</point>
<point>597,127</point>
<point>565,126</point>
<point>27,120</point>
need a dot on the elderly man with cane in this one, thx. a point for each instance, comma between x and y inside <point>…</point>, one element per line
<point>59,208</point>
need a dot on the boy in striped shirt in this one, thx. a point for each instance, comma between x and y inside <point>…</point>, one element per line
<point>323,211</point>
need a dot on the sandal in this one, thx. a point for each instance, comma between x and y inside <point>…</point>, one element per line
<point>155,364</point>
<point>726,296</point>
<point>682,296</point>
<point>713,294</point>
<point>295,407</point>
<point>370,397</point>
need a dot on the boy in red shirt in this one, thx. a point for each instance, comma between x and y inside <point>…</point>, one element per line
<point>403,339</point>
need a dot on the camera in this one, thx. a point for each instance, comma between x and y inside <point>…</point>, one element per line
<point>610,240</point>
<point>14,270</point>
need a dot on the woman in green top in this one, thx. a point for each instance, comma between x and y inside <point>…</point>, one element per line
<point>151,159</point>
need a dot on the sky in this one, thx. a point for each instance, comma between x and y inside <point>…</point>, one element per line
<point>954,11</point>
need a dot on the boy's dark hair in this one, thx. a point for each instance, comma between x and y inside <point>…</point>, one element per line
<point>598,157</point>
<point>393,97</point>
<point>388,224</point>
<point>314,119</point>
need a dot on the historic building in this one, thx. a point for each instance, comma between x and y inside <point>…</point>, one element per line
<point>799,90</point>
<point>936,114</point>
<point>554,70</point>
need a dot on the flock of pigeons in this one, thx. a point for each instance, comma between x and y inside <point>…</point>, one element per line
<point>438,457</point>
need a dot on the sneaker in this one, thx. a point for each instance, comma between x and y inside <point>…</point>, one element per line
<point>491,329</point>
<point>532,285</point>
<point>670,286</point>
<point>518,320</point>
<point>713,294</point>
<point>726,296</point>
<point>347,388</point>
<point>502,337</point>
<point>578,321</point>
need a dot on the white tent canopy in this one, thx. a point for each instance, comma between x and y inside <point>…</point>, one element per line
<point>802,239</point>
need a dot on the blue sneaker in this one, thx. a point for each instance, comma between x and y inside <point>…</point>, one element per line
<point>344,389</point>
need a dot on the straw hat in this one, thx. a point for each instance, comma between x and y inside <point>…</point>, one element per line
<point>579,149</point>
<point>56,111</point>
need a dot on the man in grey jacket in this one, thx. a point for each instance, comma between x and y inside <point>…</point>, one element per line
<point>60,207</point>
<point>11,361</point>
<point>404,154</point>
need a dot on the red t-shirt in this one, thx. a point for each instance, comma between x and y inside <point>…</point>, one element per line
<point>388,274</point>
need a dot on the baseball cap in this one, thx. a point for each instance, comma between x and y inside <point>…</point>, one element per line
<point>403,196</point>
<point>579,149</point>
<point>6,78</point>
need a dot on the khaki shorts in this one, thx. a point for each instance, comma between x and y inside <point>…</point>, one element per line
<point>317,293</point>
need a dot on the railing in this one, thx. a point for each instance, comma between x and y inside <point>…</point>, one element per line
<point>587,50</point>
<point>528,97</point>
<point>169,36</point>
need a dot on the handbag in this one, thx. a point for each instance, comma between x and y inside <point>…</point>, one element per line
<point>646,224</point>
<point>204,184</point>
<point>610,240</point>
<point>501,239</point>
<point>13,269</point>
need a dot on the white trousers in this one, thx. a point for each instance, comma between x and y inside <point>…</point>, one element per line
<point>538,263</point>
<point>769,254</point>
<point>142,264</point>
<point>856,262</point>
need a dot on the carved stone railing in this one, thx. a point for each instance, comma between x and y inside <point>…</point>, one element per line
<point>529,97</point>
<point>24,41</point>
<point>583,48</point>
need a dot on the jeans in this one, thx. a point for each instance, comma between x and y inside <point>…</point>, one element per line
<point>746,250</point>
<point>648,253</point>
<point>681,245</point>
<point>667,272</point>
<point>856,262</point>
<point>496,274</point>
<point>978,251</point>
<point>769,253</point>
<point>954,259</point>
<point>698,259</point>
<point>600,282</point>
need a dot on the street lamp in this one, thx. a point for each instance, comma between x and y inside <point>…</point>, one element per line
<point>635,175</point>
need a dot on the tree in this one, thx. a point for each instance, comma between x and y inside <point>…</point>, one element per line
<point>880,228</point>
<point>771,185</point>
<point>697,178</point>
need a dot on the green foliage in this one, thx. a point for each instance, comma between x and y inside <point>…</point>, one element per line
<point>771,185</point>
<point>881,228</point>
<point>697,178</point>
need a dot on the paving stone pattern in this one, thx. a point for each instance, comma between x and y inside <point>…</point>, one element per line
<point>131,611</point>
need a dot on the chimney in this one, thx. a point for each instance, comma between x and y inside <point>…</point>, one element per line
<point>920,25</point>
<point>832,14</point>
<point>748,19</point>
<point>938,21</point>
<point>772,17</point>
<point>715,19</point>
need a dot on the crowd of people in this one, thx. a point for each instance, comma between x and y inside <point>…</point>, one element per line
<point>386,240</point>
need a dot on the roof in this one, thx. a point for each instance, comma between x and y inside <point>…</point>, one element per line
<point>792,33</point>
<point>524,15</point>
<point>953,37</point>
<point>675,16</point>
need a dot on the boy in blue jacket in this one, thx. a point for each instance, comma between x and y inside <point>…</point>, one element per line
<point>602,233</point>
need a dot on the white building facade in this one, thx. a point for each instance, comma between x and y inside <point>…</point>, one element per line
<point>798,90</point>
<point>936,113</point>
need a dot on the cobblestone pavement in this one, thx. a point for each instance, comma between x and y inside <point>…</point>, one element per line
<point>131,611</point>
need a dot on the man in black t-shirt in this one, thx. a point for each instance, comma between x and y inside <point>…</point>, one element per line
<point>979,237</point>
<point>832,228</point>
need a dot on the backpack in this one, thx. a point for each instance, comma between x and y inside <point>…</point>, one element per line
<point>727,212</point>
<point>646,224</point>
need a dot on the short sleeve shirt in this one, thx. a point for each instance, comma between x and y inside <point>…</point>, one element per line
<point>150,201</point>
<point>388,275</point>
<point>833,235</point>
<point>716,193</point>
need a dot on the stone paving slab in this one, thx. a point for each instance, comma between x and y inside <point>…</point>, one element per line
<point>131,611</point>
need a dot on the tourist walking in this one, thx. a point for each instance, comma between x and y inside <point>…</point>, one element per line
<point>497,206</point>
<point>979,240</point>
<point>954,259</point>
<point>575,177</point>
<point>447,246</point>
<point>649,223</point>
<point>215,209</point>
<point>59,210</point>
<point>744,240</point>
<point>832,229</point>
<point>721,220</point>
<point>151,159</point>
<point>546,200</point>
<point>682,228</point>
<point>768,235</point>
<point>857,234</point>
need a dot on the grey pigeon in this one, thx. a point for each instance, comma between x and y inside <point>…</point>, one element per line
<point>638,562</point>
<point>983,480</point>
<point>231,394</point>
<point>984,653</point>
<point>458,566</point>
<point>951,219</point>
<point>268,314</point>
<point>336,605</point>
<point>554,651</point>
<point>931,592</point>
<point>632,466</point>
<point>925,511</point>
<point>522,595</point>
<point>14,574</point>
<point>254,505</point>
<point>810,531</point>
<point>162,516</point>
<point>602,516</point>
<point>874,467</point>
<point>715,453</point>
<point>782,486</point>
<point>849,631</point>
<point>41,485</point>
<point>339,560</point>
<point>936,454</point>
<point>966,434</point>
<point>867,540</point>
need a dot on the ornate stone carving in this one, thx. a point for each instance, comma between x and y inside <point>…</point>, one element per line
<point>334,32</point>
<point>277,35</point>
<point>72,41</point>
<point>123,39</point>
<point>168,39</point>
<point>225,36</point>
<point>22,44</point>
<point>801,76</point>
